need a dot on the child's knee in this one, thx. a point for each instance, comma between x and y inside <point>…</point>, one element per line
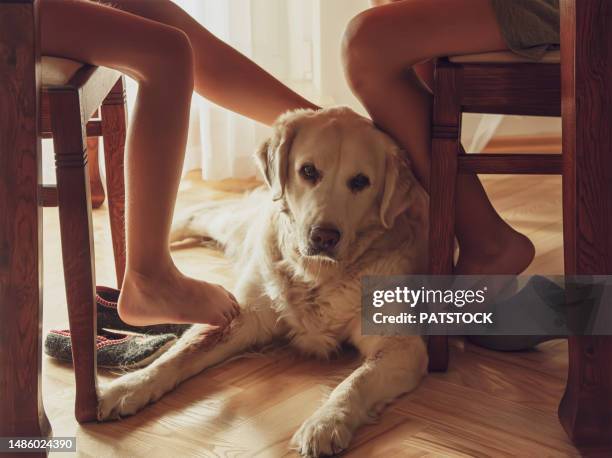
<point>370,51</point>
<point>171,59</point>
<point>357,40</point>
<point>362,55</point>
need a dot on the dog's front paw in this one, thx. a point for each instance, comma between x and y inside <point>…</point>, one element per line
<point>119,399</point>
<point>323,434</point>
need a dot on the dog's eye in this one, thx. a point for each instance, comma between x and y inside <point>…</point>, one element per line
<point>309,172</point>
<point>359,182</point>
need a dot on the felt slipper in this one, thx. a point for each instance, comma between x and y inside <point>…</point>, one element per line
<point>553,298</point>
<point>108,317</point>
<point>114,350</point>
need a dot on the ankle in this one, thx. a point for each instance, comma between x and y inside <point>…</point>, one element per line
<point>486,250</point>
<point>494,243</point>
<point>159,271</point>
<point>511,256</point>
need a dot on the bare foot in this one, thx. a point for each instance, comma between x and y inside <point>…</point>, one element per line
<point>511,256</point>
<point>174,298</point>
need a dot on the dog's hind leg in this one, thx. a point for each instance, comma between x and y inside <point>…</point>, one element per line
<point>199,348</point>
<point>224,221</point>
<point>203,221</point>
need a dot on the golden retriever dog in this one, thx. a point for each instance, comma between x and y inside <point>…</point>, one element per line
<point>340,204</point>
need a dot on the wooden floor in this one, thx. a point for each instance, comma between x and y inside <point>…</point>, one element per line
<point>487,404</point>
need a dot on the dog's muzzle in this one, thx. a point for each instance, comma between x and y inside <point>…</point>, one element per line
<point>323,240</point>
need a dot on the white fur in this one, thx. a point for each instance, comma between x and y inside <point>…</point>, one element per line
<point>312,301</point>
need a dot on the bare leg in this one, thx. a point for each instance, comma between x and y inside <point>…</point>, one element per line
<point>382,45</point>
<point>222,74</point>
<point>160,58</point>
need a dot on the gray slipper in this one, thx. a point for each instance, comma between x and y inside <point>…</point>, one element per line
<point>115,351</point>
<point>554,298</point>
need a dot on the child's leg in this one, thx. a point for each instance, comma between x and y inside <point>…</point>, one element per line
<point>382,45</point>
<point>222,74</point>
<point>160,58</point>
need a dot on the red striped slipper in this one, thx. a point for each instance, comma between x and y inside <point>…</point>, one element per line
<point>114,350</point>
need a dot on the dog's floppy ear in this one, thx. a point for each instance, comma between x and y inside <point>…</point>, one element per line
<point>273,156</point>
<point>401,190</point>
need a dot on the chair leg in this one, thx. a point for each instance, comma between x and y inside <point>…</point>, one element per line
<point>95,182</point>
<point>21,408</point>
<point>114,122</point>
<point>446,131</point>
<point>77,243</point>
<point>93,164</point>
<point>586,407</point>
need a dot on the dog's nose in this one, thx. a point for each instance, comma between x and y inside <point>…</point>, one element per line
<point>324,238</point>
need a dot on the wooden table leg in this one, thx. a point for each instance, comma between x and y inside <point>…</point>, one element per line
<point>586,408</point>
<point>21,409</point>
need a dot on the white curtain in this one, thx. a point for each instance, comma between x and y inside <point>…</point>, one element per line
<point>221,142</point>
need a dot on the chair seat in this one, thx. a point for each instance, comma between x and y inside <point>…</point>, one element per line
<point>505,57</point>
<point>57,71</point>
<point>92,84</point>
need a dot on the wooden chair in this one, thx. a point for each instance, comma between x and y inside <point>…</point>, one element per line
<point>503,83</point>
<point>71,95</point>
<point>500,83</point>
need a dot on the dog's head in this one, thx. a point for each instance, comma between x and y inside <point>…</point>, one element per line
<point>338,176</point>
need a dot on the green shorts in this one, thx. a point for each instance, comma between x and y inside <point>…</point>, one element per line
<point>529,27</point>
